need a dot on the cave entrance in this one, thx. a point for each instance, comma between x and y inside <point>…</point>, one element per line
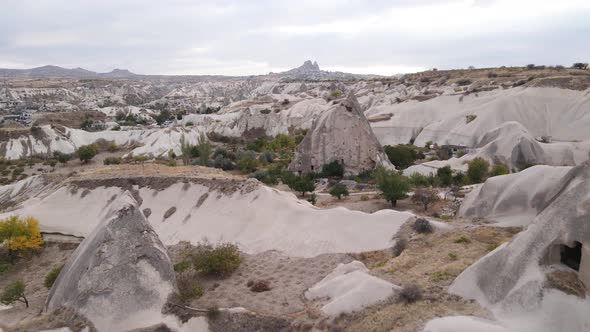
<point>571,256</point>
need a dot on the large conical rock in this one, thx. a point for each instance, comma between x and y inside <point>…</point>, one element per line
<point>341,133</point>
<point>120,276</point>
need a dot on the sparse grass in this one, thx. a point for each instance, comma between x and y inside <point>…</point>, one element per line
<point>492,246</point>
<point>439,276</point>
<point>462,239</point>
<point>453,256</point>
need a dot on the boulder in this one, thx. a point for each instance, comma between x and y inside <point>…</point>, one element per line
<point>120,276</point>
<point>341,133</point>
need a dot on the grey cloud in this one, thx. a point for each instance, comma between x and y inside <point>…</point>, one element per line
<point>241,37</point>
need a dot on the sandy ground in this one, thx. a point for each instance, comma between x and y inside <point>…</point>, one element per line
<point>32,271</point>
<point>288,277</point>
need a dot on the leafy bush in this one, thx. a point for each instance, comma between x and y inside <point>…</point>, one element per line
<point>112,161</point>
<point>364,198</point>
<point>477,170</point>
<point>417,179</point>
<point>464,82</point>
<point>87,152</point>
<point>266,157</point>
<point>258,145</point>
<point>333,169</point>
<point>259,286</point>
<point>400,245</point>
<point>445,175</point>
<point>422,226</point>
<point>339,191</point>
<point>222,162</point>
<point>62,157</point>
<point>470,117</point>
<point>392,184</point>
<point>4,267</point>
<point>580,65</point>
<point>20,235</point>
<point>409,294</point>
<point>182,266</point>
<point>220,260</point>
<point>265,111</point>
<point>402,156</point>
<point>499,169</point>
<point>52,276</point>
<point>247,164</point>
<point>188,286</point>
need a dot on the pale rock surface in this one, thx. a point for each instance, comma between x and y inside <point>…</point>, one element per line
<point>155,142</point>
<point>512,273</point>
<point>120,276</point>
<point>342,134</point>
<point>515,199</point>
<point>258,219</point>
<point>350,288</point>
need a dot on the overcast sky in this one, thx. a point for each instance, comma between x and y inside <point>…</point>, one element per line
<point>257,36</point>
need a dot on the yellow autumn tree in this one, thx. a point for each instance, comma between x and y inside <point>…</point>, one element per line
<point>20,235</point>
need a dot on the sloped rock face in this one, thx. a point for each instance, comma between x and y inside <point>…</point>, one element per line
<point>120,276</point>
<point>512,275</point>
<point>341,133</point>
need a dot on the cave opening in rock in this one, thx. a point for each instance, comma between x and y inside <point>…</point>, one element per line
<point>571,256</point>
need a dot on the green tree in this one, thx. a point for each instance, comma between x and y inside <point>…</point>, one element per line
<point>20,235</point>
<point>14,292</point>
<point>392,184</point>
<point>445,174</point>
<point>477,170</point>
<point>204,148</point>
<point>186,150</point>
<point>302,184</point>
<point>402,156</point>
<point>87,152</point>
<point>339,191</point>
<point>333,169</point>
<point>500,169</point>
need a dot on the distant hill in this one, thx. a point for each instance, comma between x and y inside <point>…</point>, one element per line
<point>55,71</point>
<point>308,71</point>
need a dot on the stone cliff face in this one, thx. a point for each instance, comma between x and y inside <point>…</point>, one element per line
<point>120,275</point>
<point>343,134</point>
